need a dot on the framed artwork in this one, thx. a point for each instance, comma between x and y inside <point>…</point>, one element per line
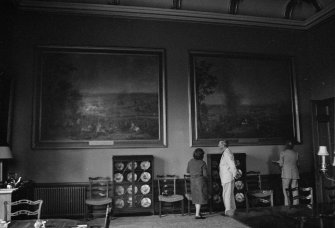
<point>247,99</point>
<point>99,98</point>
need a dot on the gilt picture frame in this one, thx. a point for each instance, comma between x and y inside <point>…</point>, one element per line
<point>97,97</point>
<point>248,99</point>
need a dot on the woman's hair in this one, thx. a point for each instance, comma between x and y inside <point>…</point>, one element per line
<point>224,143</point>
<point>198,154</point>
<point>289,145</point>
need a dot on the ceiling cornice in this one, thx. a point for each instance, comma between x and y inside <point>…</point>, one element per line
<point>174,14</point>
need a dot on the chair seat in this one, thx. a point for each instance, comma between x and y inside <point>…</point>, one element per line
<point>260,193</point>
<point>188,196</point>
<point>329,216</point>
<point>98,202</point>
<point>171,198</point>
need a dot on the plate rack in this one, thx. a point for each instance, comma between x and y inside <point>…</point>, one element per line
<point>133,184</point>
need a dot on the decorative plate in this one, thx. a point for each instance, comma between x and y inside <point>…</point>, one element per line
<point>145,202</point>
<point>130,189</point>
<point>145,189</point>
<point>239,185</point>
<point>130,177</point>
<point>239,174</point>
<point>216,187</point>
<point>119,203</point>
<point>119,166</point>
<point>145,176</point>
<point>217,198</point>
<point>239,197</point>
<point>118,177</point>
<point>132,165</point>
<point>237,163</point>
<point>145,165</point>
<point>130,201</point>
<point>119,190</point>
<point>215,174</point>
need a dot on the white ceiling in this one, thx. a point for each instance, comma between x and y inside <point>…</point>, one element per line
<point>292,14</point>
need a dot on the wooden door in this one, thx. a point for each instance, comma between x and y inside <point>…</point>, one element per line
<point>323,135</point>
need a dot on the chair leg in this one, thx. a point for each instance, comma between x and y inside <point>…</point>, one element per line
<point>160,209</point>
<point>189,207</point>
<point>182,207</point>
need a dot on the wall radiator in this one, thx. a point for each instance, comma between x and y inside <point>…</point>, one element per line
<point>61,200</point>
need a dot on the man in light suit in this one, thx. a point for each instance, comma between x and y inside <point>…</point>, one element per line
<point>289,162</point>
<point>228,172</point>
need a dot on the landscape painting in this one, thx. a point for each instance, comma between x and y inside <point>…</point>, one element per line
<point>99,97</point>
<point>247,99</point>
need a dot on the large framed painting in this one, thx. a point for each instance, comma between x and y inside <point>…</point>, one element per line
<point>99,98</point>
<point>247,99</point>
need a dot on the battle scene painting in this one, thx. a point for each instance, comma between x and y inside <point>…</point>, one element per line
<point>96,95</point>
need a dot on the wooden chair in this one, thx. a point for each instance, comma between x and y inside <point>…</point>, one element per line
<point>167,192</point>
<point>301,198</point>
<point>23,207</point>
<point>328,213</point>
<point>98,195</point>
<point>256,196</point>
<point>187,194</point>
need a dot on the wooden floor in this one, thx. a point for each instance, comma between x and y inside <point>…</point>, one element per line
<point>255,218</point>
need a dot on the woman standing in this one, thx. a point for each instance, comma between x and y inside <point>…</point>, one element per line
<point>228,172</point>
<point>288,161</point>
<point>197,169</point>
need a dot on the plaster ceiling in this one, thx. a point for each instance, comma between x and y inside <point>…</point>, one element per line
<point>292,14</point>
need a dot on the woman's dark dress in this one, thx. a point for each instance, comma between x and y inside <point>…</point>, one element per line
<point>198,171</point>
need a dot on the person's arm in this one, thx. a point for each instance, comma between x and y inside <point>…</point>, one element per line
<point>188,168</point>
<point>231,163</point>
<point>204,170</point>
<point>281,159</point>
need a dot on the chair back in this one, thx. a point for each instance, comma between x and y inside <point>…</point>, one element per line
<point>23,207</point>
<point>330,195</point>
<point>187,183</point>
<point>99,187</point>
<point>300,195</point>
<point>166,185</point>
<point>253,180</point>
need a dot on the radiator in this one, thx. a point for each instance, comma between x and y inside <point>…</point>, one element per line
<point>61,201</point>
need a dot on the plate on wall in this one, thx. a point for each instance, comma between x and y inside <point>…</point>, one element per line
<point>118,177</point>
<point>119,190</point>
<point>130,177</point>
<point>238,174</point>
<point>119,203</point>
<point>119,166</point>
<point>145,165</point>
<point>239,185</point>
<point>145,202</point>
<point>239,197</point>
<point>145,189</point>
<point>145,176</point>
<point>217,198</point>
<point>130,189</point>
<point>132,165</point>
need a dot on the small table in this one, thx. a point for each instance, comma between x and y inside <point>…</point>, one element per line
<point>50,223</point>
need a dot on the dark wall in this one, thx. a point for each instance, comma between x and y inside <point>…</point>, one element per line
<point>29,30</point>
<point>322,55</point>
